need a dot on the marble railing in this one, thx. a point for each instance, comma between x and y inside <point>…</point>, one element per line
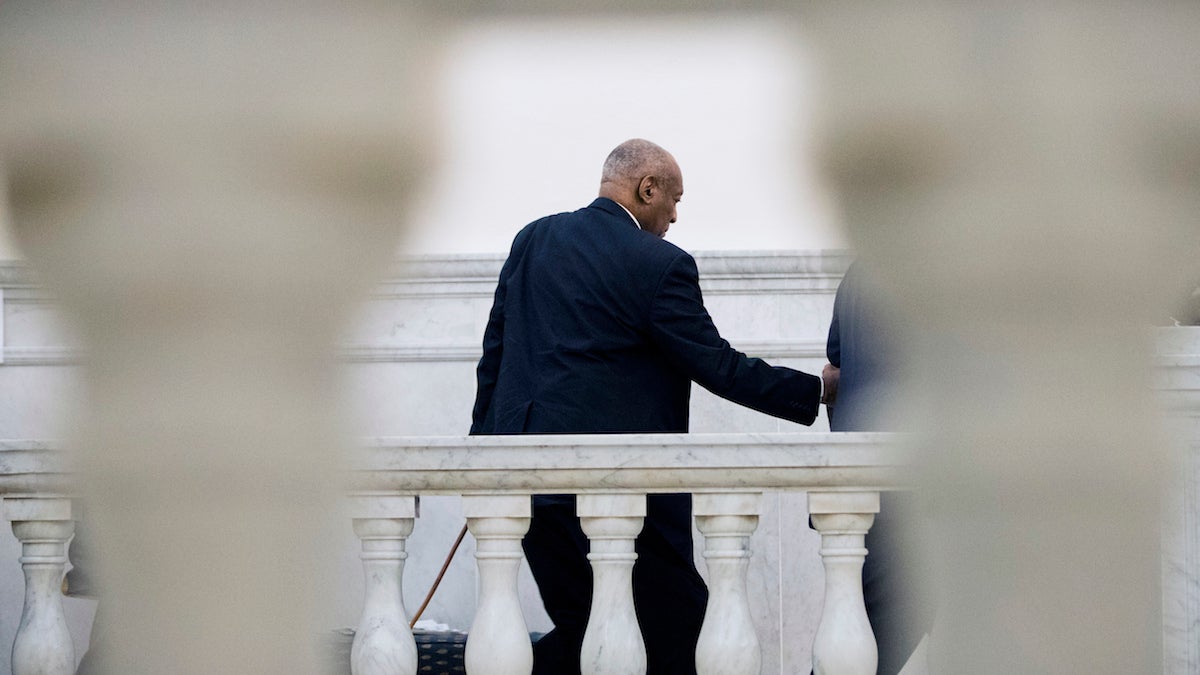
<point>36,491</point>
<point>727,474</point>
<point>843,475</point>
<point>496,476</point>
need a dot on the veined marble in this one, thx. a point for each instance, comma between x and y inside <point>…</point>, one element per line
<point>408,366</point>
<point>1178,384</point>
<point>635,463</point>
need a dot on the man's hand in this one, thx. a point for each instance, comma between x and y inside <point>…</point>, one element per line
<point>830,376</point>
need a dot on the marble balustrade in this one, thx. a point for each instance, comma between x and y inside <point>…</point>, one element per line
<point>407,369</point>
<point>38,379</point>
<point>843,474</point>
<point>727,473</point>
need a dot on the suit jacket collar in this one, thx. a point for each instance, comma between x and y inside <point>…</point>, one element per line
<point>609,206</point>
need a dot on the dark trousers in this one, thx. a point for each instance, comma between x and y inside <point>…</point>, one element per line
<point>669,595</point>
<point>899,608</point>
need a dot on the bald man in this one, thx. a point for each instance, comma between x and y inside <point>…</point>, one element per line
<point>598,326</point>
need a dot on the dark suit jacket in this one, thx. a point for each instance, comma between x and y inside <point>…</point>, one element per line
<point>599,327</point>
<point>861,337</point>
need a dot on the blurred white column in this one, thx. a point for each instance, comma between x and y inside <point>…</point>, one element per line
<point>1025,177</point>
<point>207,188</point>
<point>43,525</point>
<point>1178,387</point>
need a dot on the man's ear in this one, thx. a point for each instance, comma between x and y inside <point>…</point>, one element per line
<point>646,188</point>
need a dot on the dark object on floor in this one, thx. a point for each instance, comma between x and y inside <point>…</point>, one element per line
<point>438,652</point>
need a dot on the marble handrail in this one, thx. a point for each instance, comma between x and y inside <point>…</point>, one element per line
<point>843,472</point>
<point>497,475</point>
<point>631,462</point>
<point>35,487</point>
<point>29,467</point>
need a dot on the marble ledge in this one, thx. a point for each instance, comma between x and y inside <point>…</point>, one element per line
<point>34,467</point>
<point>832,262</point>
<point>475,267</point>
<point>706,442</point>
<point>17,274</point>
<point>1177,371</point>
<point>721,272</point>
<point>410,353</point>
<point>42,356</point>
<point>27,295</point>
<point>632,463</point>
<point>1176,380</point>
<point>431,351</point>
<point>1176,341</point>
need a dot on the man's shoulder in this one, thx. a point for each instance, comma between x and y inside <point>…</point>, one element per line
<point>661,253</point>
<point>670,250</point>
<point>562,218</point>
<point>620,233</point>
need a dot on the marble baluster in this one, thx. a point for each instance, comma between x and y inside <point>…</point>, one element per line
<point>728,643</point>
<point>498,642</point>
<point>208,233</point>
<point>383,643</point>
<point>1178,385</point>
<point>43,644</point>
<point>612,643</point>
<point>844,644</point>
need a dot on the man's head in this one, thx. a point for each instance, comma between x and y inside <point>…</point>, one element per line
<point>645,179</point>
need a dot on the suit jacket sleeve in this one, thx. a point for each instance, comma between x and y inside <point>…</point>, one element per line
<point>488,370</point>
<point>684,331</point>
<point>833,345</point>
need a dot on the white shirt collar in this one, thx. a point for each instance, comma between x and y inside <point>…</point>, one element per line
<point>635,220</point>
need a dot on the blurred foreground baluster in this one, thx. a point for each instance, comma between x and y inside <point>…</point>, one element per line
<point>1025,179</point>
<point>207,190</point>
<point>44,526</point>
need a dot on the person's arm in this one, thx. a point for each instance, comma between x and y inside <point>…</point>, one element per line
<point>488,370</point>
<point>831,374</point>
<point>833,345</point>
<point>684,331</point>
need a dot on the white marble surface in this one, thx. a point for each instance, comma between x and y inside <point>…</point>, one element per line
<point>1178,383</point>
<point>409,371</point>
<point>631,462</point>
<point>729,642</point>
<point>612,643</point>
<point>498,640</point>
<point>409,364</point>
<point>801,584</point>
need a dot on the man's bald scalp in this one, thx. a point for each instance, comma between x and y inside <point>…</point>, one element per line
<point>634,159</point>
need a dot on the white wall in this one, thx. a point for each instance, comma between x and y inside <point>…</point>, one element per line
<point>408,366</point>
<point>533,106</point>
<point>411,372</point>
